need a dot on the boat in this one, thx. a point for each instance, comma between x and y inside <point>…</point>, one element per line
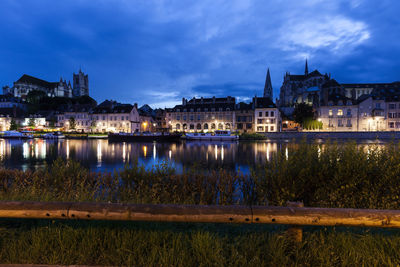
<point>16,135</point>
<point>218,135</point>
<point>143,137</point>
<point>54,135</point>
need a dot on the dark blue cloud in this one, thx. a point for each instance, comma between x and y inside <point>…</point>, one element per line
<point>157,52</point>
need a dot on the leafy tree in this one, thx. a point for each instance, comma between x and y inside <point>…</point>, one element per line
<point>93,124</point>
<point>31,122</point>
<point>52,122</point>
<point>72,123</point>
<point>302,113</point>
<point>35,97</point>
<point>13,125</point>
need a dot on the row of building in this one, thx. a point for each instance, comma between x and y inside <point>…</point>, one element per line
<point>339,107</point>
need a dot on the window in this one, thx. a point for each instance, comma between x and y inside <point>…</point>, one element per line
<point>391,124</point>
<point>220,109</point>
<point>198,126</point>
<point>240,126</point>
<point>198,110</point>
<point>178,126</point>
<point>330,112</point>
<point>266,114</point>
<point>213,126</point>
<point>348,123</point>
<point>227,126</point>
<point>104,118</point>
<point>191,117</point>
<point>205,109</point>
<point>340,112</point>
<point>184,117</point>
<point>110,118</point>
<point>191,110</point>
<point>178,118</point>
<point>191,126</point>
<point>272,114</point>
<point>260,114</point>
<point>348,112</point>
<point>205,126</point>
<point>122,117</point>
<point>238,118</point>
<point>127,117</point>
<point>198,117</point>
<point>260,129</point>
<point>340,123</point>
<point>378,105</point>
<point>392,106</point>
<point>220,126</point>
<point>178,110</point>
<point>184,126</point>
<point>272,128</point>
<point>249,126</point>
<point>260,121</point>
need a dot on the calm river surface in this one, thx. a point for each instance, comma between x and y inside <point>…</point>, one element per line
<point>101,155</point>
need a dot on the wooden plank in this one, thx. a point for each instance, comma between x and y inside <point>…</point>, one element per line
<point>201,213</point>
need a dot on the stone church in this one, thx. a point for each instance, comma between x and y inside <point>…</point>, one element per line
<point>305,88</point>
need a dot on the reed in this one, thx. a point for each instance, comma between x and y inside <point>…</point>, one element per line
<point>329,175</point>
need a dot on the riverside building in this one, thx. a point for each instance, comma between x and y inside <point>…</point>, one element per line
<point>202,115</point>
<point>266,115</point>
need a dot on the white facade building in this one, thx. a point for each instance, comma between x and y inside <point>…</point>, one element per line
<point>266,115</point>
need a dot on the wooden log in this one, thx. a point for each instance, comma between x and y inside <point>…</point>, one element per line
<point>201,213</point>
<point>295,233</point>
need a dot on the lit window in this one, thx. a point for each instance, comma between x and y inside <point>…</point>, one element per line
<point>340,112</point>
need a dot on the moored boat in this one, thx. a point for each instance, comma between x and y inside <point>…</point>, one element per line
<point>143,137</point>
<point>54,135</point>
<point>218,135</point>
<point>16,135</point>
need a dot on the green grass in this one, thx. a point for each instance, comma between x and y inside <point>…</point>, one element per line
<point>174,244</point>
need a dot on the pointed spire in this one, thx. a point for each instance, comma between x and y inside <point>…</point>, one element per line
<point>268,86</point>
<point>306,69</point>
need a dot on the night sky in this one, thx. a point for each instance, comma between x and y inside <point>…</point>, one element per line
<point>157,52</point>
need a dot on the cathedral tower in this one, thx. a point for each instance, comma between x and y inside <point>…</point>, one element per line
<point>81,84</point>
<point>268,86</point>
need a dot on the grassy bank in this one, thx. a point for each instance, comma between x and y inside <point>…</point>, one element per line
<point>167,244</point>
<point>334,175</point>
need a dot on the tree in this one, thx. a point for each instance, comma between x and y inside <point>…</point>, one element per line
<point>35,96</point>
<point>72,123</point>
<point>302,113</point>
<point>93,124</point>
<point>13,125</point>
<point>32,122</point>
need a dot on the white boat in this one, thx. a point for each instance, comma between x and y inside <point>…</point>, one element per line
<point>218,135</point>
<point>54,135</point>
<point>16,135</point>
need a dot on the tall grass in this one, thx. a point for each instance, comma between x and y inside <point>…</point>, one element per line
<point>331,175</point>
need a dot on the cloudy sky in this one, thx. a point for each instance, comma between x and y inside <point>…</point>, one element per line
<point>156,51</point>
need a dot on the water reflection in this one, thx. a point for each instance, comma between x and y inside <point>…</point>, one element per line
<point>100,155</point>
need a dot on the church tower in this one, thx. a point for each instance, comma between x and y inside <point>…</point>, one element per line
<point>306,69</point>
<point>81,84</point>
<point>268,86</point>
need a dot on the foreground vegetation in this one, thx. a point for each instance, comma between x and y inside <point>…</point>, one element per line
<point>167,244</point>
<point>335,175</point>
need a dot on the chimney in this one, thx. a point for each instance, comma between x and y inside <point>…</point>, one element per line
<point>183,101</point>
<point>201,100</point>
<point>213,99</point>
<point>135,105</point>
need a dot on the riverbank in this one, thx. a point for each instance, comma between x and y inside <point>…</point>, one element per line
<point>325,135</point>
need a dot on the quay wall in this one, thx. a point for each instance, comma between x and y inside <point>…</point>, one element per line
<point>332,135</point>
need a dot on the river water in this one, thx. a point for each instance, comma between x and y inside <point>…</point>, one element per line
<point>102,155</point>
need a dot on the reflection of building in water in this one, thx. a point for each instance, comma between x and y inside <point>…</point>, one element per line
<point>264,151</point>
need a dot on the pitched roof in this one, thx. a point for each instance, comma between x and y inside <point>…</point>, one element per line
<point>263,102</point>
<point>33,80</point>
